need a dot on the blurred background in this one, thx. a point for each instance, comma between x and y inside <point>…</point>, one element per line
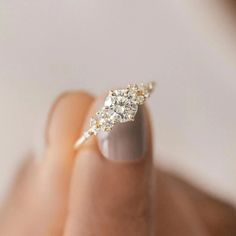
<point>187,47</point>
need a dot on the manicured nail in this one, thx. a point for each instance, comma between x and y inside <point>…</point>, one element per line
<point>126,141</point>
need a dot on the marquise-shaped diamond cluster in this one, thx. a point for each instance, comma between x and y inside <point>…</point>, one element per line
<point>120,106</point>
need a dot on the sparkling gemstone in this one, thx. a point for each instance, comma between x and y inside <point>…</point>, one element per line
<point>140,98</point>
<point>120,109</point>
<point>95,125</point>
<point>121,106</point>
<point>108,101</point>
<point>102,121</point>
<point>114,116</point>
<point>106,124</point>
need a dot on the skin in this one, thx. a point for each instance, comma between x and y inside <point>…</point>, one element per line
<point>80,192</point>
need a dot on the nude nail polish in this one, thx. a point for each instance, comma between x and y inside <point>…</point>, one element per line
<point>126,141</point>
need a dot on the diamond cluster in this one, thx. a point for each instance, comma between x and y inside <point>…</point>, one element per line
<point>120,106</point>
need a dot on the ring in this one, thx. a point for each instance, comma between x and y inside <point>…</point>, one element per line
<point>120,105</point>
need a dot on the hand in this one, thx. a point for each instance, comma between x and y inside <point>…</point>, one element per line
<point>109,187</point>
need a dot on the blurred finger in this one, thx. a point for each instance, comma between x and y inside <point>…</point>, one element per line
<point>64,126</point>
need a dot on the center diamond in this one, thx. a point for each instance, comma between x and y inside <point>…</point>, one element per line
<point>120,106</point>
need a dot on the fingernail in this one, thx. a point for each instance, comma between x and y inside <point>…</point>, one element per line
<point>126,141</point>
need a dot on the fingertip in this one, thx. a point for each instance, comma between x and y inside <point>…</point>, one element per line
<point>66,117</point>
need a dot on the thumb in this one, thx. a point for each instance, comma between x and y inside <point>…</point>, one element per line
<point>110,191</point>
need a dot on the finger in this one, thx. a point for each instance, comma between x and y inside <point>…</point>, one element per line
<point>43,208</point>
<point>15,196</point>
<point>64,126</point>
<point>110,191</point>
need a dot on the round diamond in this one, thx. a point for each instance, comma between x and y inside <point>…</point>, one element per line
<point>120,106</point>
